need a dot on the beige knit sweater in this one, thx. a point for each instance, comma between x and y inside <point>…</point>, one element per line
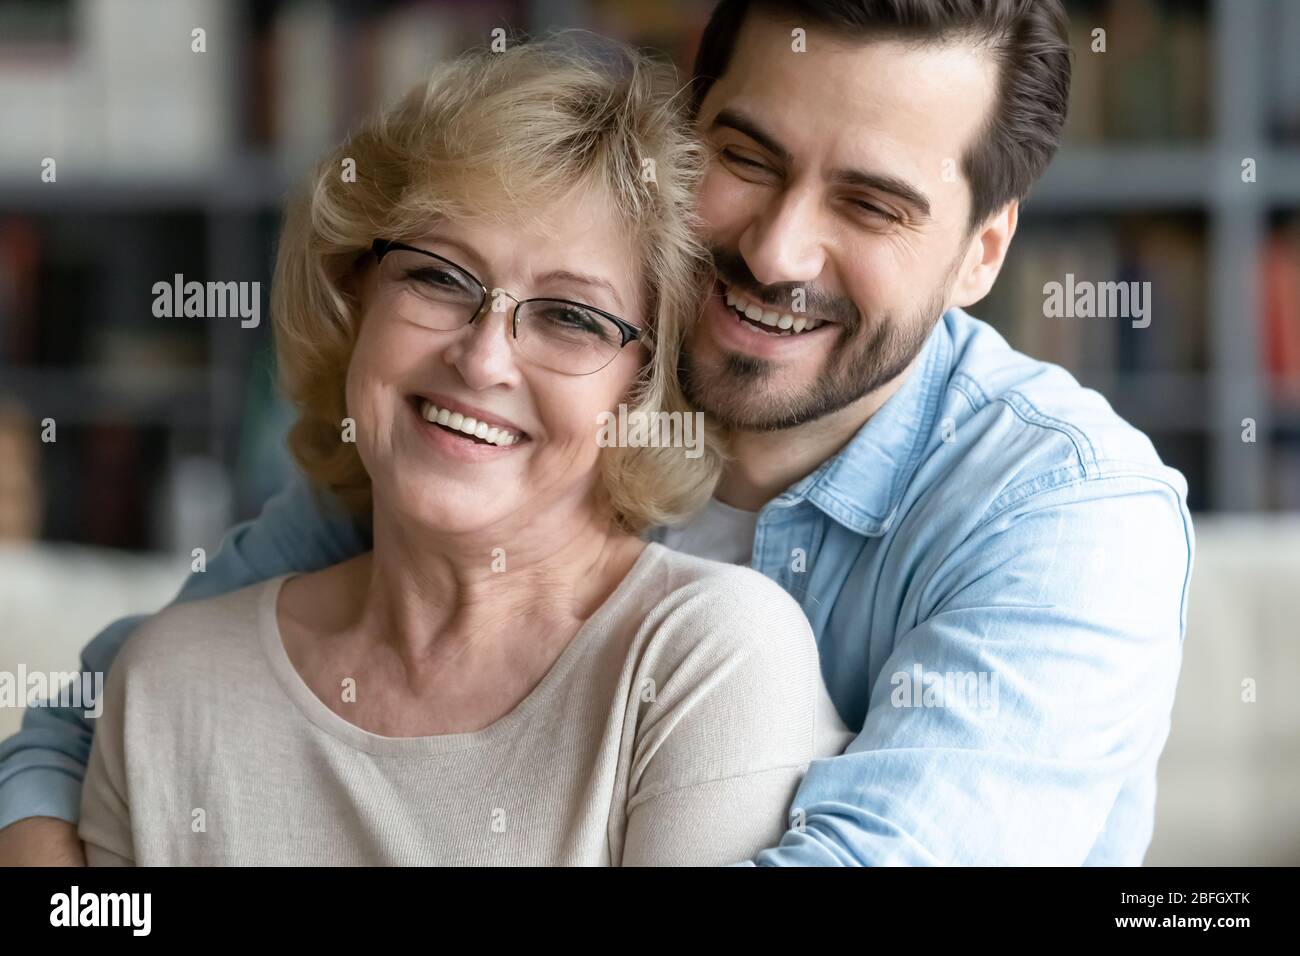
<point>673,729</point>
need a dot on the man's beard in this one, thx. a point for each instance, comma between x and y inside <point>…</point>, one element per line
<point>737,394</point>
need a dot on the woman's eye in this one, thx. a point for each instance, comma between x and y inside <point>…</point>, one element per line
<point>435,277</point>
<point>574,319</point>
<point>577,321</point>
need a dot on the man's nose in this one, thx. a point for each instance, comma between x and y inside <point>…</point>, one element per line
<point>784,243</point>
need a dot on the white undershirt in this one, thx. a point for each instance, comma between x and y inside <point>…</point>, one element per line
<point>719,532</point>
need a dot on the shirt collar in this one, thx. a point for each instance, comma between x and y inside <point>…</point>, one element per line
<point>862,485</point>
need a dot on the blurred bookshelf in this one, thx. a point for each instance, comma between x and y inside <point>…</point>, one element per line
<point>170,161</point>
<point>1149,186</point>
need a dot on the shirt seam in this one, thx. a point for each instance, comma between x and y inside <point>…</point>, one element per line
<point>1030,414</point>
<point>642,797</point>
<point>960,381</point>
<point>994,512</point>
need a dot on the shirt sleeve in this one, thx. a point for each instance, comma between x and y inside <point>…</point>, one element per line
<point>731,724</point>
<point>1072,608</point>
<point>41,766</point>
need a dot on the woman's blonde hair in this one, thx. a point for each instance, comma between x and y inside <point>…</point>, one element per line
<point>503,134</point>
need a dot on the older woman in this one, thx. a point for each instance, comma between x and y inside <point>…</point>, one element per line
<point>511,676</point>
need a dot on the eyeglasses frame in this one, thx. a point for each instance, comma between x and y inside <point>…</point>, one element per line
<point>627,331</point>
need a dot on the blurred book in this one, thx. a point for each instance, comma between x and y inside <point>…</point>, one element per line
<point>325,68</point>
<point>127,97</point>
<point>671,26</point>
<point>1167,253</point>
<point>404,45</point>
<point>1283,65</point>
<point>20,256</point>
<point>21,499</point>
<point>1086,121</point>
<point>161,106</point>
<point>36,25</point>
<point>304,77</point>
<point>1280,299</point>
<point>1152,81</point>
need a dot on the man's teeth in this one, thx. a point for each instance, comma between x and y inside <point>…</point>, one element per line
<point>463,423</point>
<point>781,322</point>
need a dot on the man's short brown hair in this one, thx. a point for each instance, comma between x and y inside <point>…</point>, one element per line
<point>1028,39</point>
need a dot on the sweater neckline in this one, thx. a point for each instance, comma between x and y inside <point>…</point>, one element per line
<point>315,710</point>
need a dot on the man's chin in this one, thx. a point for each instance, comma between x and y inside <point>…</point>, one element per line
<point>739,402</point>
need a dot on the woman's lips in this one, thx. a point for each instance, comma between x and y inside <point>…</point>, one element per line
<point>469,411</point>
<point>456,442</point>
<point>468,425</point>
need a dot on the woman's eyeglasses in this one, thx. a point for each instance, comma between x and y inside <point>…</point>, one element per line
<point>558,334</point>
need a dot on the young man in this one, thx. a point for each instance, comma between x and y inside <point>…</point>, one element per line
<point>994,563</point>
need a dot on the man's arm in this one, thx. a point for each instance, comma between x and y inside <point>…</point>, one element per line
<point>41,841</point>
<point>43,765</point>
<point>1071,607</point>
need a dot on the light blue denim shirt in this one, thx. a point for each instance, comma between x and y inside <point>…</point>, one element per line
<point>996,569</point>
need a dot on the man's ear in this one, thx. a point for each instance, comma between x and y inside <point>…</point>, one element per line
<point>985,254</point>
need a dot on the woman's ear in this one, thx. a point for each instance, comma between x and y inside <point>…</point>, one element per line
<point>352,284</point>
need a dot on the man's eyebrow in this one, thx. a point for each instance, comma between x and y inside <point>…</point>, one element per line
<point>734,119</point>
<point>564,275</point>
<point>900,189</point>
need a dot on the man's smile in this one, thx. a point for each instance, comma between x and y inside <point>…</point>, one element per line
<point>738,323</point>
<point>765,318</point>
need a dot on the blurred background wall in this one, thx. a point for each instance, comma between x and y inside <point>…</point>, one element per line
<point>167,431</point>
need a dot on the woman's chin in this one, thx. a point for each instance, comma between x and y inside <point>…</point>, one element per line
<point>445,509</point>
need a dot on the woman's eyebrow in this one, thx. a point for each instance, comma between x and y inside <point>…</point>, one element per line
<point>464,255</point>
<point>564,275</point>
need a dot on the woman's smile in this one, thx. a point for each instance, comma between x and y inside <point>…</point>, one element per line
<point>469,420</point>
<point>462,436</point>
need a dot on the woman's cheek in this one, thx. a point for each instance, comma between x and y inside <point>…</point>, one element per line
<point>366,424</point>
<point>568,449</point>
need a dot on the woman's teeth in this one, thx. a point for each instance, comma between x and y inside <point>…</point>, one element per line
<point>784,324</point>
<point>455,421</point>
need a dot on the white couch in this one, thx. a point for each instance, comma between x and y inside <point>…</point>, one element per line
<point>1229,780</point>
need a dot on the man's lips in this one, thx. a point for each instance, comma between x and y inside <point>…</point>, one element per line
<point>768,318</point>
<point>733,333</point>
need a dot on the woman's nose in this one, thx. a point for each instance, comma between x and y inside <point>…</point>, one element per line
<point>484,351</point>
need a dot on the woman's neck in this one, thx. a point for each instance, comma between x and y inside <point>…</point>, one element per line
<point>433,597</point>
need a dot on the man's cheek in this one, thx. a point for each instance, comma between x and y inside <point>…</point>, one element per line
<point>722,203</point>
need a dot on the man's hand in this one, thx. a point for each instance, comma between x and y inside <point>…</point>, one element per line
<point>41,841</point>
